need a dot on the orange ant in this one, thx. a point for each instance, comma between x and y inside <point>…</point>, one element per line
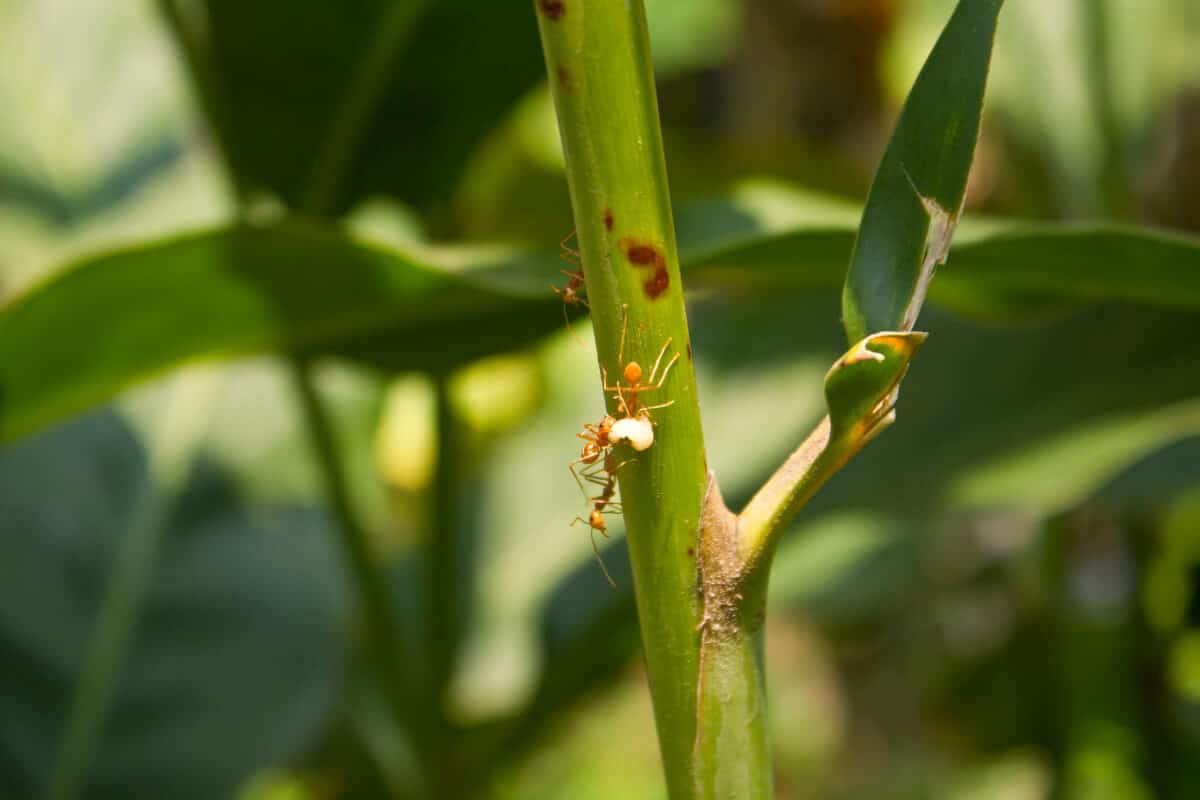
<point>606,478</point>
<point>598,444</point>
<point>635,424</point>
<point>634,427</point>
<point>570,293</point>
<point>596,441</point>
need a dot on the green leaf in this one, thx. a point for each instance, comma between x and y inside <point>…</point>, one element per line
<point>243,290</point>
<point>1000,270</point>
<point>917,195</point>
<point>238,652</point>
<point>240,290</point>
<point>1155,480</point>
<point>284,71</point>
<point>1095,262</point>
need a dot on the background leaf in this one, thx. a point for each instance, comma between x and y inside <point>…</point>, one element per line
<point>304,286</point>
<point>238,653</point>
<point>240,290</point>
<point>423,126</point>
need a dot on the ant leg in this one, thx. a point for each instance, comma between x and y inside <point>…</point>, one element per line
<point>659,405</point>
<point>600,561</point>
<point>617,468</point>
<point>657,361</point>
<point>595,480</point>
<point>604,380</point>
<point>624,404</point>
<point>570,330</point>
<point>663,378</point>
<point>594,530</point>
<point>567,252</point>
<point>619,389</point>
<point>590,473</point>
<point>575,475</point>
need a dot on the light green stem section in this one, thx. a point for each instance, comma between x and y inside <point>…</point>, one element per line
<point>734,749</point>
<point>861,391</point>
<point>449,592</point>
<point>765,518</point>
<point>598,62</point>
<point>383,646</point>
<point>135,561</point>
<point>384,649</point>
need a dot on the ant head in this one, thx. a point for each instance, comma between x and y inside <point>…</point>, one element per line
<point>591,452</point>
<point>596,519</point>
<point>632,373</point>
<point>607,423</point>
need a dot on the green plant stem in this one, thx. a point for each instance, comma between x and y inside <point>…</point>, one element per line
<point>786,492</point>
<point>861,389</point>
<point>598,60</point>
<point>731,748</point>
<point>359,102</point>
<point>383,648</point>
<point>137,557</point>
<point>762,522</point>
<point>447,596</point>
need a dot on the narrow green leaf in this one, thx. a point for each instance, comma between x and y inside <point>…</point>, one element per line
<point>917,195</point>
<point>116,318</point>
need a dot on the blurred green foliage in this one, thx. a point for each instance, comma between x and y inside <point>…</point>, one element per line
<point>999,599</point>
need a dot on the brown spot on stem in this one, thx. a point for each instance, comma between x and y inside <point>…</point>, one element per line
<point>643,255</point>
<point>608,218</point>
<point>554,9</point>
<point>691,551</point>
<point>657,284</point>
<point>648,256</point>
<point>565,78</point>
<point>689,350</point>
